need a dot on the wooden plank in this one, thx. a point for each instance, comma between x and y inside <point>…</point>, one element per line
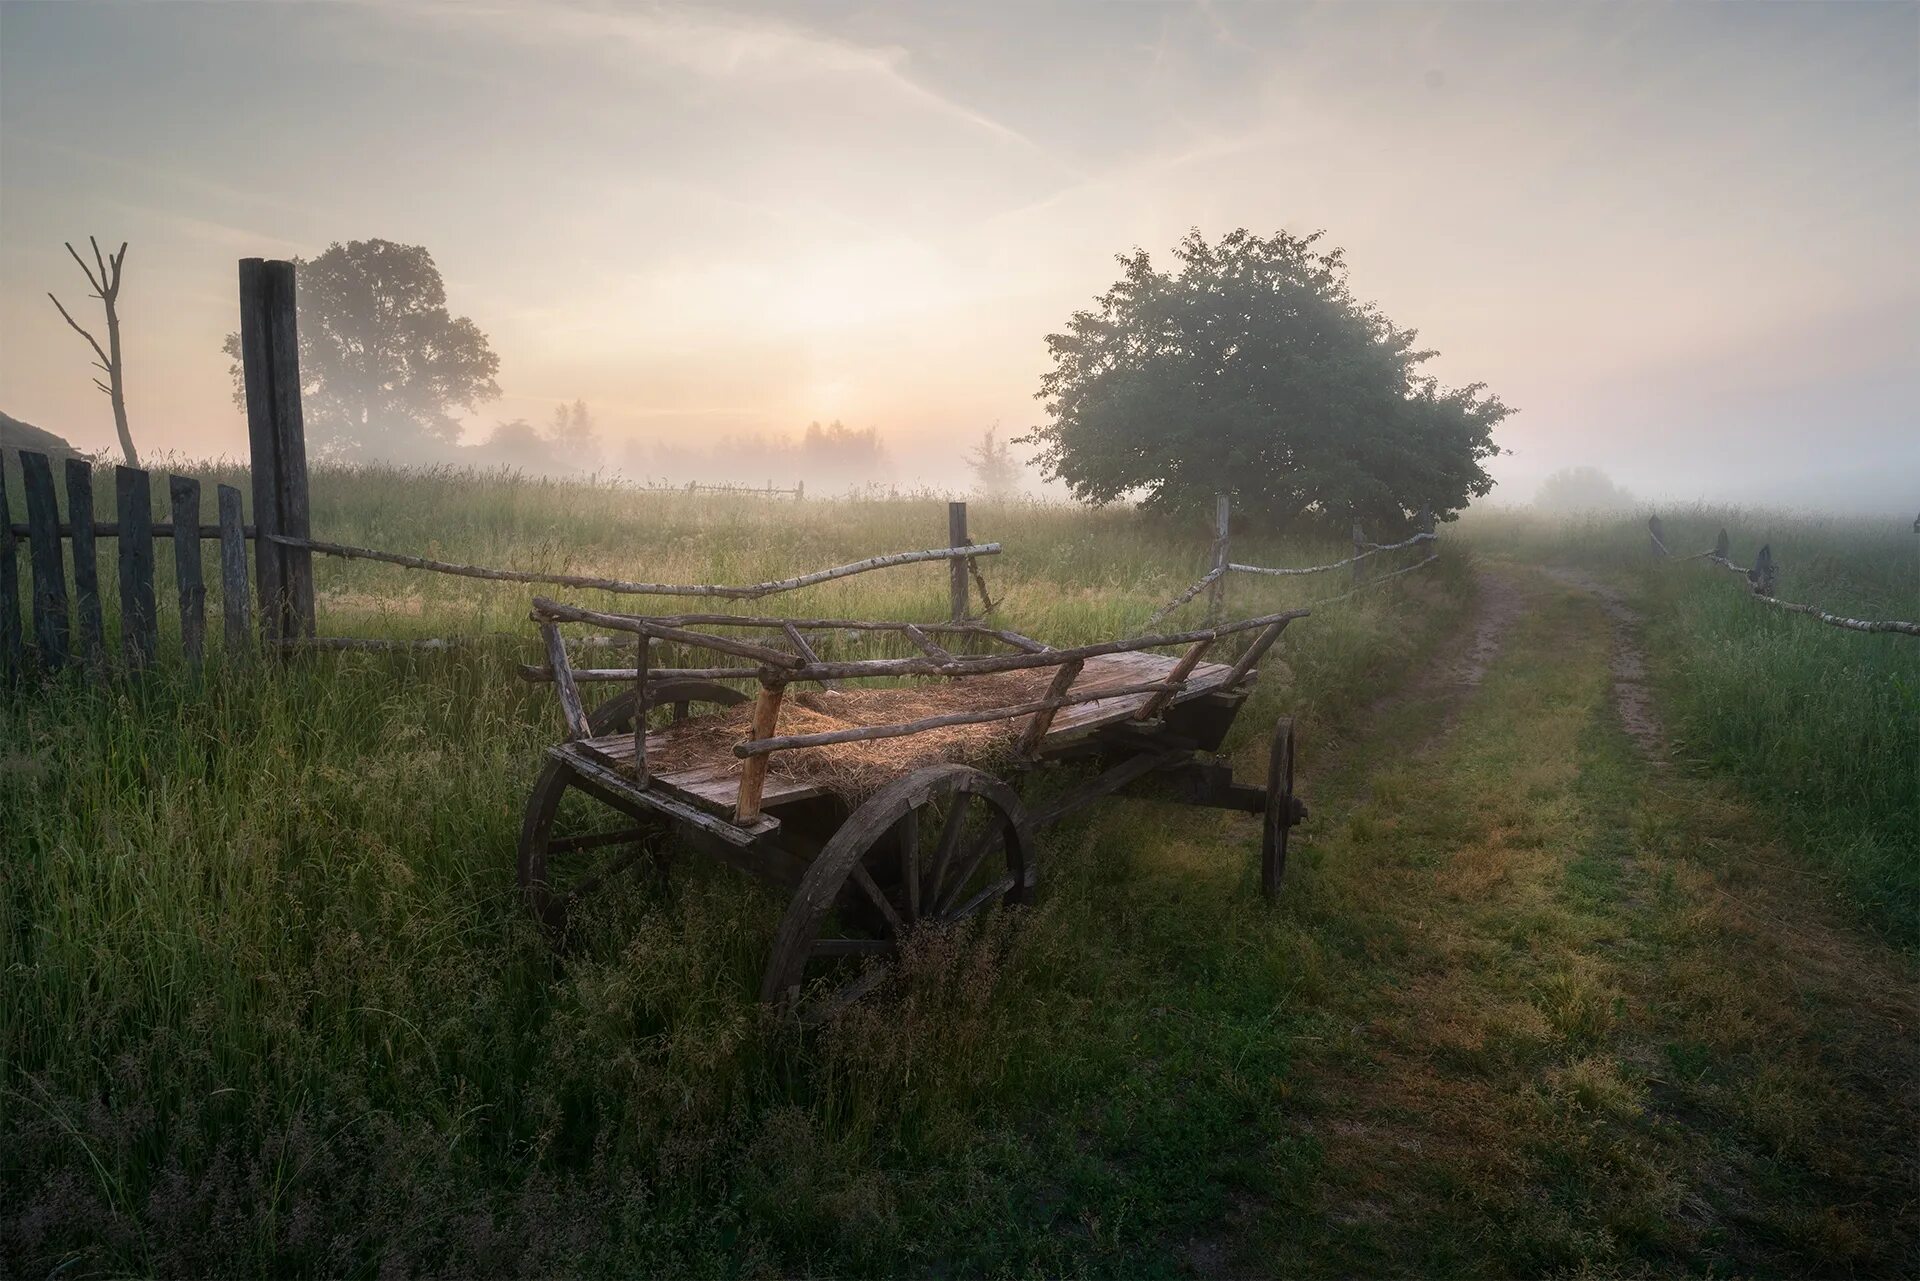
<point>12,645</point>
<point>1176,679</point>
<point>570,706</point>
<point>256,344</point>
<point>1256,652</point>
<point>290,448</point>
<point>640,707</point>
<point>50,622</point>
<point>753,778</point>
<point>139,632</point>
<point>957,587</point>
<point>762,745</point>
<point>86,562</point>
<point>234,613</point>
<point>184,493</point>
<point>1036,730</point>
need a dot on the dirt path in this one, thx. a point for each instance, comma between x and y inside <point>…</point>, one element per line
<point>1632,698</point>
<point>1581,1021</point>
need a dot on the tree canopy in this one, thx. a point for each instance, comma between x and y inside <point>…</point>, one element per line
<point>1251,370</point>
<point>382,361</point>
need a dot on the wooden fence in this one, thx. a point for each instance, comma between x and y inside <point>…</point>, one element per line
<point>1214,581</point>
<point>69,628</point>
<point>1764,575</point>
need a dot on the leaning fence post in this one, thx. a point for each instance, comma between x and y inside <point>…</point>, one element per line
<point>1658,533</point>
<point>957,537</point>
<point>133,496</point>
<point>270,360</point>
<point>12,650</point>
<point>233,575</point>
<point>1764,575</point>
<point>1722,549</point>
<point>184,492</point>
<point>86,562</point>
<point>50,624</point>
<point>1359,548</point>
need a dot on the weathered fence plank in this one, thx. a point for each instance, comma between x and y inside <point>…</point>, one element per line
<point>234,614</point>
<point>184,493</point>
<point>50,623</point>
<point>139,634</point>
<point>12,648</point>
<point>270,362</point>
<point>957,587</point>
<point>86,562</point>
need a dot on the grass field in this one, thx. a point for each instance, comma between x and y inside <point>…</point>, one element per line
<point>1820,726</point>
<point>272,1003</point>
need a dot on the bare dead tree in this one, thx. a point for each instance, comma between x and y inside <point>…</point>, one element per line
<point>106,287</point>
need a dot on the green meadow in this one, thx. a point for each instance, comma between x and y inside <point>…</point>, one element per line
<point>272,1003</point>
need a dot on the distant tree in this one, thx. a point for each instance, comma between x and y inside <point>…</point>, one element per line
<point>1581,489</point>
<point>1253,371</point>
<point>382,362</point>
<point>838,452</point>
<point>996,472</point>
<point>516,443</point>
<point>104,276</point>
<point>575,437</point>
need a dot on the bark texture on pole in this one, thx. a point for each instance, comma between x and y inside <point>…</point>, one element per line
<point>276,433</point>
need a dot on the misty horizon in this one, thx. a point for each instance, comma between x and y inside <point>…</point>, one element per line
<point>1680,242</point>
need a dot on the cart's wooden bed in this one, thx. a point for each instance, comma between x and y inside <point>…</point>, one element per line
<point>714,783</point>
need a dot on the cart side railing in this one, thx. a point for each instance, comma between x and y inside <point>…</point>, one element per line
<point>775,669</point>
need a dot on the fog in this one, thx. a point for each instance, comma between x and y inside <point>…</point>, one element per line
<point>1680,241</point>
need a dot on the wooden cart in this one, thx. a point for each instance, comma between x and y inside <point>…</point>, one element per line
<point>931,846</point>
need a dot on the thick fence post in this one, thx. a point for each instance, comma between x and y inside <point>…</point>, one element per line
<point>957,589</point>
<point>184,493</point>
<point>50,623</point>
<point>234,615</point>
<point>1765,575</point>
<point>139,630</point>
<point>86,561</point>
<point>1217,590</point>
<point>276,433</point>
<point>12,648</point>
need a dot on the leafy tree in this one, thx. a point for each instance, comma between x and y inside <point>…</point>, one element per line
<point>1581,489</point>
<point>1252,371</point>
<point>382,362</point>
<point>996,472</point>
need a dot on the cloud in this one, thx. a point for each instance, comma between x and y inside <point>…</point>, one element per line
<point>713,44</point>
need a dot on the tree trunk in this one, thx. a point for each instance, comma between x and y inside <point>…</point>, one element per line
<point>118,391</point>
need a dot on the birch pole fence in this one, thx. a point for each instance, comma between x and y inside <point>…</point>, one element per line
<point>1214,581</point>
<point>1763,577</point>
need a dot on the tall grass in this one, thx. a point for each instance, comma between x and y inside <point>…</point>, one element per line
<point>1819,725</point>
<point>271,1003</point>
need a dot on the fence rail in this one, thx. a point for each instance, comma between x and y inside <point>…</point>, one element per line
<point>1764,575</point>
<point>1214,581</point>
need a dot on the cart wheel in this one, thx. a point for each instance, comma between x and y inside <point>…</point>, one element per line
<point>1283,811</point>
<point>927,851</point>
<point>565,825</point>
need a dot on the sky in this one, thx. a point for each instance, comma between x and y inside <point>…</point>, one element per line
<point>1683,242</point>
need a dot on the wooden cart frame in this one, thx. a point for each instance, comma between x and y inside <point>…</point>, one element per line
<point>930,848</point>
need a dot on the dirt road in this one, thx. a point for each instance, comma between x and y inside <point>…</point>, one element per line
<point>1588,1014</point>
